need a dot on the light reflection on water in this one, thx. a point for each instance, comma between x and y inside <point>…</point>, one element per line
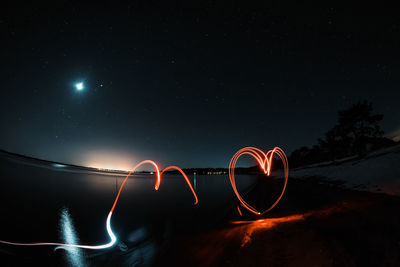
<point>69,236</point>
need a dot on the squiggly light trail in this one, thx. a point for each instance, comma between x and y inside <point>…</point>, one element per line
<point>264,161</point>
<point>110,233</point>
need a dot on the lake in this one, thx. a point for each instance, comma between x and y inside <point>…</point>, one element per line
<point>36,196</point>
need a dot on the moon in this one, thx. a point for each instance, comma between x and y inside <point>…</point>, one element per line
<point>79,86</point>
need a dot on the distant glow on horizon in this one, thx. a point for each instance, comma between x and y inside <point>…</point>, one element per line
<point>107,159</point>
<point>79,86</point>
<point>394,135</point>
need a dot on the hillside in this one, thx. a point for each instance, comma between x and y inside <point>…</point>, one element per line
<point>378,172</point>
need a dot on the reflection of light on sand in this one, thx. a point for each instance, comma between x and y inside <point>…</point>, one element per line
<point>250,227</point>
<point>265,224</point>
<point>69,236</point>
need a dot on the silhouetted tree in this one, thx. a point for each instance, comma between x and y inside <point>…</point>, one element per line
<point>356,127</point>
<point>356,132</point>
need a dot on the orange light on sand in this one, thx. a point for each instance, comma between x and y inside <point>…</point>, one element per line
<point>246,229</point>
<point>110,233</point>
<point>264,160</point>
<point>250,227</point>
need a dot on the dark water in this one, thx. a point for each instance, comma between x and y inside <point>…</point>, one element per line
<point>34,195</point>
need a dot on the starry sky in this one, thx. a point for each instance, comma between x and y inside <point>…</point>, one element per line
<point>187,84</point>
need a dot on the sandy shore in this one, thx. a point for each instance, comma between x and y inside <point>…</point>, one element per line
<point>317,223</point>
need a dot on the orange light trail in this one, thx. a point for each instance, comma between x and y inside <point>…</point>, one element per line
<point>110,233</point>
<point>264,160</point>
<point>238,209</point>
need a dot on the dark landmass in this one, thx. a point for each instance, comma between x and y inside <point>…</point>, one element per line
<point>356,133</point>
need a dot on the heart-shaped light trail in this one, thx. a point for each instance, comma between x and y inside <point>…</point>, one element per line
<point>264,160</point>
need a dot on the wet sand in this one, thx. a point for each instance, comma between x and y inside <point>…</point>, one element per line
<point>317,223</point>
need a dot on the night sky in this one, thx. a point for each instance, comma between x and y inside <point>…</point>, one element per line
<point>187,84</point>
